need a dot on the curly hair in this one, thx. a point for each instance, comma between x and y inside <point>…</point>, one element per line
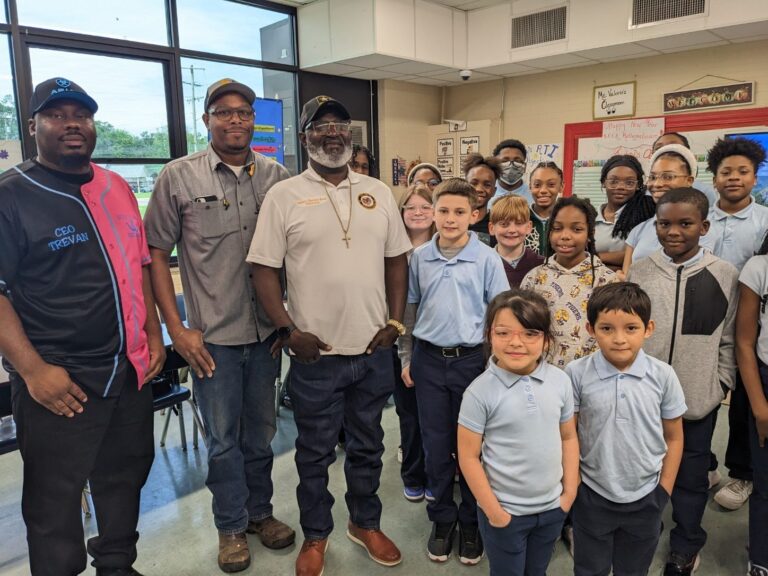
<point>475,160</point>
<point>725,147</point>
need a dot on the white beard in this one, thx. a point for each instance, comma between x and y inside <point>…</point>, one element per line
<point>320,156</point>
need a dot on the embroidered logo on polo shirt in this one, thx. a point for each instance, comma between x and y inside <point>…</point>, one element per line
<point>66,236</point>
<point>312,201</point>
<point>367,201</point>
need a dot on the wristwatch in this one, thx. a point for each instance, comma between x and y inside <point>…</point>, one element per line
<point>399,326</point>
<point>284,332</point>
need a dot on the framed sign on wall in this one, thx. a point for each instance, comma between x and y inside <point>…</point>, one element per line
<point>613,101</point>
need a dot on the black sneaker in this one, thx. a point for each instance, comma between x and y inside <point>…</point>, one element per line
<point>470,545</point>
<point>755,570</point>
<point>441,541</point>
<point>681,564</point>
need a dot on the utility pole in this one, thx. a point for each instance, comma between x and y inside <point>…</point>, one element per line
<point>194,99</point>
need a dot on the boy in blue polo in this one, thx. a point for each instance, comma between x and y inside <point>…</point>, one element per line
<point>452,279</point>
<point>737,227</point>
<point>630,407</point>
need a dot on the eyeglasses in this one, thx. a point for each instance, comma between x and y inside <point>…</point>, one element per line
<point>527,336</point>
<point>629,183</point>
<point>326,127</point>
<point>421,208</point>
<point>665,177</point>
<point>225,114</point>
<point>431,183</point>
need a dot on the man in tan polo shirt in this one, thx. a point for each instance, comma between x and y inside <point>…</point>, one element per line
<point>344,247</point>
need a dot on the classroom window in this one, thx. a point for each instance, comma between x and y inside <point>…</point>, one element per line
<point>132,120</point>
<point>236,29</point>
<point>137,20</point>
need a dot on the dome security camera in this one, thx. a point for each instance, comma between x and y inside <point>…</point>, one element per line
<point>465,74</point>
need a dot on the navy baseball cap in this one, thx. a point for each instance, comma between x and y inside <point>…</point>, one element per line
<point>319,104</point>
<point>55,89</point>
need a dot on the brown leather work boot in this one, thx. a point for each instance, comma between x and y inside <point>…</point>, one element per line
<point>234,555</point>
<point>380,548</point>
<point>272,533</point>
<point>311,558</point>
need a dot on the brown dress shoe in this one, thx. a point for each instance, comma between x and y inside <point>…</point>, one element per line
<point>234,555</point>
<point>272,533</point>
<point>311,558</point>
<point>380,548</point>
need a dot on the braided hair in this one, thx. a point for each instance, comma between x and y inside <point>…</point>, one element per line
<point>639,207</point>
<point>585,206</point>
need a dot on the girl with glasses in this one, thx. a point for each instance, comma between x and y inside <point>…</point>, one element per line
<point>517,443</point>
<point>418,217</point>
<point>672,166</point>
<point>627,206</point>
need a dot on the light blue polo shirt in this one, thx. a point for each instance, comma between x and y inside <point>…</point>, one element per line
<point>524,191</point>
<point>452,295</point>
<point>737,237</point>
<point>643,239</point>
<point>519,418</point>
<point>621,435</point>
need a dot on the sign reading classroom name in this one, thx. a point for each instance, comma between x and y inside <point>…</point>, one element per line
<point>613,101</point>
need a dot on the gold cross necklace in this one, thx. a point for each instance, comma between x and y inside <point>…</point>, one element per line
<point>346,238</point>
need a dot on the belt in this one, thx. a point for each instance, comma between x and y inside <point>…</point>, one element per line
<point>453,352</point>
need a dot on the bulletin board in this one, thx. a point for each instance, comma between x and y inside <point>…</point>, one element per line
<point>701,128</point>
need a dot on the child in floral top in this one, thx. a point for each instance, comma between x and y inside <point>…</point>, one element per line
<point>566,280</point>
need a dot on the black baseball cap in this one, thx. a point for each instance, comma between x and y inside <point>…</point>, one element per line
<point>55,89</point>
<point>318,105</point>
<point>225,86</point>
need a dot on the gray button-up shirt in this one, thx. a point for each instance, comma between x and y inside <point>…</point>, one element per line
<point>200,205</point>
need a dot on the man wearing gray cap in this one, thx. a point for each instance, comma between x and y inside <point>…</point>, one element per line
<point>80,338</point>
<point>344,246</point>
<point>207,204</point>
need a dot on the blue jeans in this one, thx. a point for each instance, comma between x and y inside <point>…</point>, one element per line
<point>689,497</point>
<point>238,409</point>
<point>758,502</point>
<point>524,546</point>
<point>336,389</point>
<point>440,383</point>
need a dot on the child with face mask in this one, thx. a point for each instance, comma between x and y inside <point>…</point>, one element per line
<point>512,156</point>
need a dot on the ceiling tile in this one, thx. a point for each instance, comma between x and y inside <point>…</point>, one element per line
<point>508,69</point>
<point>684,41</point>
<point>335,69</point>
<point>372,74</point>
<point>743,31</point>
<point>429,81</point>
<point>616,52</point>
<point>558,61</point>
<point>373,61</point>
<point>413,68</point>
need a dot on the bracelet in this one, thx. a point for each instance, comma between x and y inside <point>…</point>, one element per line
<point>399,326</point>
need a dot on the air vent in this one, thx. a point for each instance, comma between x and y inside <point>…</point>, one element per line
<point>652,11</point>
<point>539,27</point>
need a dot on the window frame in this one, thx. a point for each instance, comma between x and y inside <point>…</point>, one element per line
<point>22,38</point>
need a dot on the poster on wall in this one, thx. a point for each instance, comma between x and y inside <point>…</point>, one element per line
<point>706,98</point>
<point>268,132</point>
<point>470,145</point>
<point>536,153</point>
<point>613,101</point>
<point>445,147</point>
<point>445,165</point>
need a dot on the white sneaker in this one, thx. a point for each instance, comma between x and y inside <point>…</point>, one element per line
<point>714,478</point>
<point>734,494</point>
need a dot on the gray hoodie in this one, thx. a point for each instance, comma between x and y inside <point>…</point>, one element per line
<point>694,308</point>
